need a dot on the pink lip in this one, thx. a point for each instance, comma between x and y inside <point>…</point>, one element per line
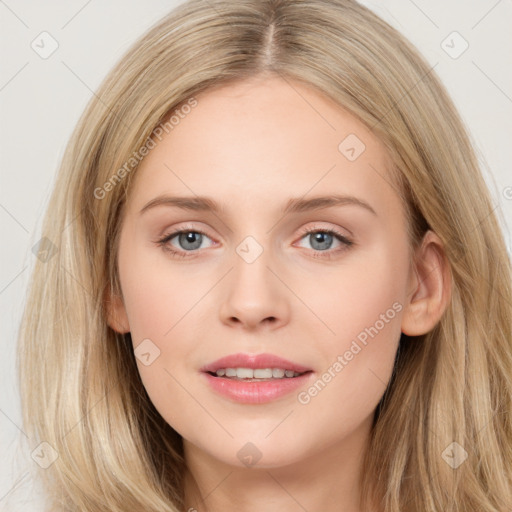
<point>255,392</point>
<point>254,361</point>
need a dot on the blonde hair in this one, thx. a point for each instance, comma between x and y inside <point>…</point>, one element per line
<point>81,391</point>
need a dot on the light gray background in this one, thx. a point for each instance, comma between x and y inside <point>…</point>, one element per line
<point>41,100</point>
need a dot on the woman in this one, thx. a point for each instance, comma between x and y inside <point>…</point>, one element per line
<point>159,376</point>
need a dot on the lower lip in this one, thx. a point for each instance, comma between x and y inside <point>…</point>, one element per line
<point>256,392</point>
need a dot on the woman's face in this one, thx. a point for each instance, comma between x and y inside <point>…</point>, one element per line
<point>249,164</point>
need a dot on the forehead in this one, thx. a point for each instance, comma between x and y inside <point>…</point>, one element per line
<point>266,139</point>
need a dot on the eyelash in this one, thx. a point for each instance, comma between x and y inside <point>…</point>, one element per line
<point>328,254</point>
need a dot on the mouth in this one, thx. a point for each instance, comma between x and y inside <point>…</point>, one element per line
<point>256,374</point>
<point>255,379</point>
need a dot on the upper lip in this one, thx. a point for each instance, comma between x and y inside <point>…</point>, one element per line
<point>241,360</point>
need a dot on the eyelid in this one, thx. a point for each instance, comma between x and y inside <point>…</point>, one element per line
<point>345,240</point>
<point>315,227</point>
<point>334,229</point>
<point>182,229</point>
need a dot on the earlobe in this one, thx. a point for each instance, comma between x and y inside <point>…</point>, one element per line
<point>430,293</point>
<point>117,318</point>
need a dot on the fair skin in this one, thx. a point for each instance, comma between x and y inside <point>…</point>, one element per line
<point>252,146</point>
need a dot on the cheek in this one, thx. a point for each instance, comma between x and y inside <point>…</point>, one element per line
<point>358,292</point>
<point>361,314</point>
<point>156,311</point>
<point>159,302</point>
<point>156,294</point>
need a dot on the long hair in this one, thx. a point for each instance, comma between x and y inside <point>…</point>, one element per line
<point>81,392</point>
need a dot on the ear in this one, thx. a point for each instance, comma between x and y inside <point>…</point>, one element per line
<point>117,318</point>
<point>429,288</point>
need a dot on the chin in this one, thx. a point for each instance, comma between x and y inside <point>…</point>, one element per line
<point>257,452</point>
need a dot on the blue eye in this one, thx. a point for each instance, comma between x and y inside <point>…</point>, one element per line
<point>321,241</point>
<point>193,238</point>
<point>190,240</point>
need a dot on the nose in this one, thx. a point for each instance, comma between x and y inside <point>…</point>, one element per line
<point>254,296</point>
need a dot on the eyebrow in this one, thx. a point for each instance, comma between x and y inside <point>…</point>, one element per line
<point>294,205</point>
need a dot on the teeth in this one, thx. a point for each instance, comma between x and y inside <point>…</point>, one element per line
<point>257,373</point>
<point>244,373</point>
<point>262,373</point>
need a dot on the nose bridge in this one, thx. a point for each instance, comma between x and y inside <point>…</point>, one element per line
<point>253,293</point>
<point>251,276</point>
